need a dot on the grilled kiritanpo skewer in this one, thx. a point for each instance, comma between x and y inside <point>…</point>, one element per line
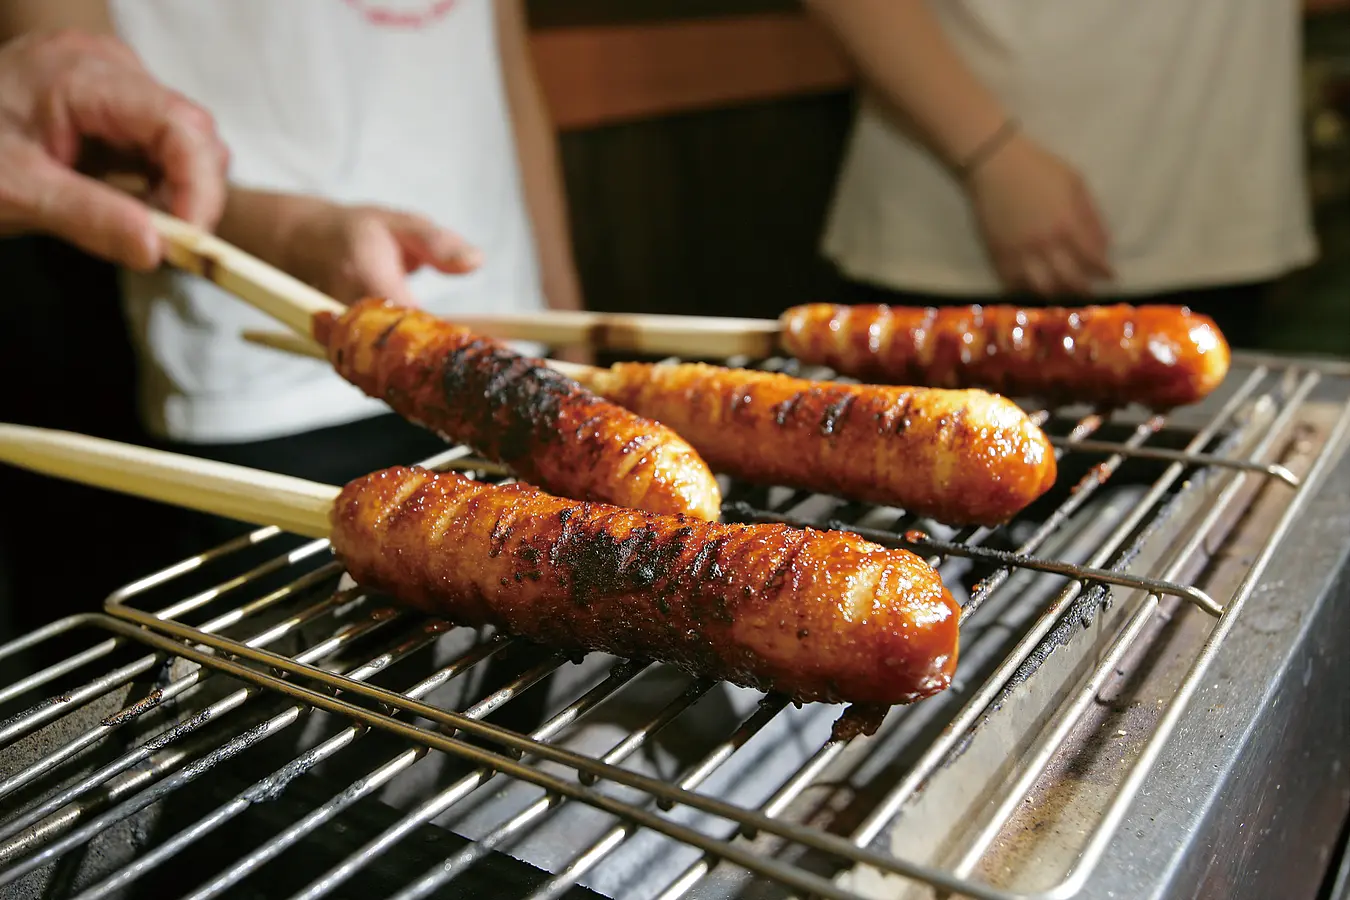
<point>961,457</point>
<point>1157,356</point>
<point>472,390</point>
<point>817,616</point>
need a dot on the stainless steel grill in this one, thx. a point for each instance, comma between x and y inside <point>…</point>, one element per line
<point>249,723</point>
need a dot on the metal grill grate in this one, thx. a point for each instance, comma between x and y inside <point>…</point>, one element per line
<point>251,675</point>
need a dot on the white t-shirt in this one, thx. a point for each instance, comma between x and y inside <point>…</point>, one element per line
<point>399,103</point>
<point>1182,115</point>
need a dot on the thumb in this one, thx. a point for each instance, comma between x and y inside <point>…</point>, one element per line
<point>432,245</point>
<point>95,217</point>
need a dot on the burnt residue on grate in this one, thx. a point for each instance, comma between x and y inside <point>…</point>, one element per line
<point>272,787</point>
<point>33,710</point>
<point>145,704</point>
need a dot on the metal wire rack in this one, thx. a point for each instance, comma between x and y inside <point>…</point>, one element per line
<point>184,686</point>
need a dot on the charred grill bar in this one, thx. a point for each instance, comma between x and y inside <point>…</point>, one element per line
<point>246,721</point>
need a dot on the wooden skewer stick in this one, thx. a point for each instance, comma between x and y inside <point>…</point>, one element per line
<point>294,303</point>
<point>691,336</point>
<point>287,342</point>
<point>301,345</point>
<point>247,495</point>
<point>287,299</point>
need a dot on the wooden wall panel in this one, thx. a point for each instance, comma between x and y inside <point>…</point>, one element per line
<point>704,189</point>
<point>597,75</point>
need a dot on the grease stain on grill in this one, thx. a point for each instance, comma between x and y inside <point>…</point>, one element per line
<point>272,787</point>
<point>160,741</point>
<point>34,710</point>
<point>145,704</point>
<point>221,754</point>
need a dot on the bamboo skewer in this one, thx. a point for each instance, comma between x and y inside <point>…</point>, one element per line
<point>294,304</point>
<point>300,345</point>
<point>690,336</point>
<point>287,299</point>
<point>282,296</point>
<point>236,492</point>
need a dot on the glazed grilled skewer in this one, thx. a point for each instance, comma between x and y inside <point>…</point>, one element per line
<point>472,390</point>
<point>961,457</point>
<point>817,616</point>
<point>515,410</point>
<point>814,615</point>
<point>1157,356</point>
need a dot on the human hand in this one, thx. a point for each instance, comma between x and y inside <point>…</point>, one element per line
<point>353,252</point>
<point>1039,221</point>
<point>59,93</point>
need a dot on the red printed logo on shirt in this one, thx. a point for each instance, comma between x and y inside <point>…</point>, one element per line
<point>412,14</point>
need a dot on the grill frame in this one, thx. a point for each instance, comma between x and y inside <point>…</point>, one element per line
<point>280,674</point>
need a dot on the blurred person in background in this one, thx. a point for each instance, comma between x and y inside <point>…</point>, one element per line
<point>1118,150</point>
<point>361,133</point>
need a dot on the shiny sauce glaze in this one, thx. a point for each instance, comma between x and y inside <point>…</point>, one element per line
<point>515,410</point>
<point>1157,356</point>
<point>817,616</point>
<point>961,457</point>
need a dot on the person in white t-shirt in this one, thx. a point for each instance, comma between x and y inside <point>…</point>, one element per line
<point>1053,150</point>
<point>398,148</point>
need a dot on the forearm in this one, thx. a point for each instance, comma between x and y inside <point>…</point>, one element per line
<point>537,153</point>
<point>907,60</point>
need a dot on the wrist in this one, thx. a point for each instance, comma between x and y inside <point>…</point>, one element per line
<point>978,158</point>
<point>1008,164</point>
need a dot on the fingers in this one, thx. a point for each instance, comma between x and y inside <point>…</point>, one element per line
<point>128,109</point>
<point>1089,238</point>
<point>429,244</point>
<point>1070,274</point>
<point>1066,263</point>
<point>97,218</point>
<point>1039,276</point>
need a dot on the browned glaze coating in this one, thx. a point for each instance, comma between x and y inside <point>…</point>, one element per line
<point>962,457</point>
<point>1157,356</point>
<point>515,410</point>
<point>814,615</point>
